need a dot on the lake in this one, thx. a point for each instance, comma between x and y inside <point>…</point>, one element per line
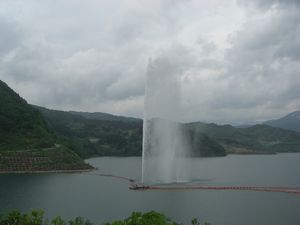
<point>103,199</point>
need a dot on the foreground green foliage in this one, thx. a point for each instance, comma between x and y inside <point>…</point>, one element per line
<point>36,217</point>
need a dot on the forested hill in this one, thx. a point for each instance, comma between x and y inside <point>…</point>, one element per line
<point>112,137</point>
<point>96,137</point>
<point>99,134</point>
<point>257,139</point>
<point>105,137</point>
<point>26,142</point>
<point>21,126</point>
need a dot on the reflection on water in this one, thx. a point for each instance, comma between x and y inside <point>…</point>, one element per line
<point>103,199</point>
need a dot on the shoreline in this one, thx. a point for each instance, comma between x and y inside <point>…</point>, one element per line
<point>48,171</point>
<point>217,156</point>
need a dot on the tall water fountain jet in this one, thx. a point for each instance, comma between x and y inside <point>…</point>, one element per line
<point>164,145</point>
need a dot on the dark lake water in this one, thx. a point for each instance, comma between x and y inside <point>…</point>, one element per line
<point>103,199</point>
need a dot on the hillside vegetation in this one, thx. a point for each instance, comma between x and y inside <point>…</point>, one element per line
<point>25,127</point>
<point>251,140</point>
<point>27,144</point>
<point>93,137</point>
<point>21,126</point>
<point>98,137</point>
<point>57,158</point>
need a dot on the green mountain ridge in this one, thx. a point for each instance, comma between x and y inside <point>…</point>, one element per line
<point>27,144</point>
<point>257,139</point>
<point>21,126</point>
<point>104,116</point>
<point>102,134</point>
<point>96,137</point>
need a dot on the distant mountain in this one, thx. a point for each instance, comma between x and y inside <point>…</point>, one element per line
<point>113,135</point>
<point>96,137</point>
<point>289,122</point>
<point>197,144</point>
<point>105,116</point>
<point>21,126</point>
<point>257,139</point>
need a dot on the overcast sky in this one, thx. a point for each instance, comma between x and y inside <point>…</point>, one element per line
<point>239,60</point>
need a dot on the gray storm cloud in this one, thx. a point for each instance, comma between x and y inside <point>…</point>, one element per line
<point>239,60</point>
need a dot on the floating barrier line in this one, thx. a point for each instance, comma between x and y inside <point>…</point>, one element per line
<point>114,176</point>
<point>263,189</point>
<point>134,185</point>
